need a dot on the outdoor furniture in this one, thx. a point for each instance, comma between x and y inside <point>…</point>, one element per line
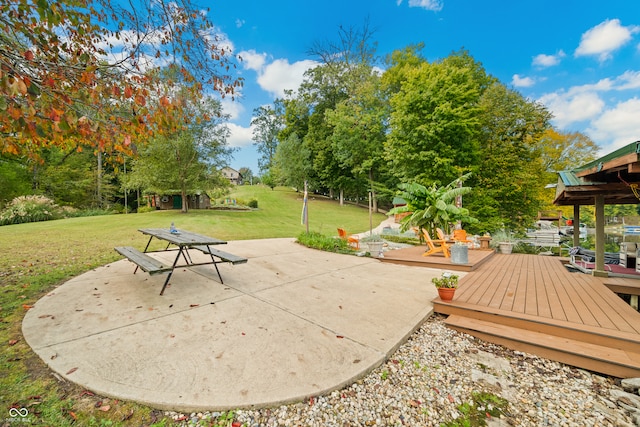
<point>460,235</point>
<point>439,245</point>
<point>184,240</point>
<point>628,252</point>
<point>352,241</point>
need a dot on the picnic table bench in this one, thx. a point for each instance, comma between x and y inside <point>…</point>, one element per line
<point>184,240</point>
<point>223,256</point>
<point>142,260</point>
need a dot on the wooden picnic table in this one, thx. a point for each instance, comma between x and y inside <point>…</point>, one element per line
<point>184,240</point>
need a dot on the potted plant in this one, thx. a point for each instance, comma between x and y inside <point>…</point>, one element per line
<point>446,285</point>
<point>504,240</point>
<point>375,243</point>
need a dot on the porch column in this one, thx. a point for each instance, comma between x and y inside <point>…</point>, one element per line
<point>576,225</point>
<point>599,204</point>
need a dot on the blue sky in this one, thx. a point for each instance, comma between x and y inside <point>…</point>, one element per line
<point>581,59</point>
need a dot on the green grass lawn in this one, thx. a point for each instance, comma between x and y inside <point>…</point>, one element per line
<point>36,257</point>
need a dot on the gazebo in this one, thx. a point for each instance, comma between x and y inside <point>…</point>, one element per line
<point>611,179</point>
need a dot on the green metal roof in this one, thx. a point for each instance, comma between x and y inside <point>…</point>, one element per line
<point>632,148</point>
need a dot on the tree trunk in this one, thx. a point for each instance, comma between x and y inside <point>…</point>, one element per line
<point>185,202</point>
<point>341,197</point>
<point>374,199</point>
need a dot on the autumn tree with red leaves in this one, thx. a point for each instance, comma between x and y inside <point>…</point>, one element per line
<point>80,74</point>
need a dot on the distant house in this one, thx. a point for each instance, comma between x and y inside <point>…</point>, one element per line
<point>174,201</point>
<point>232,175</point>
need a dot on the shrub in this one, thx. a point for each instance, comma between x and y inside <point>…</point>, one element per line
<point>29,209</point>
<point>253,203</point>
<point>144,209</point>
<point>316,240</point>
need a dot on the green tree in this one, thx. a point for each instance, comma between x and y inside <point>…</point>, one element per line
<point>359,129</point>
<point>267,124</point>
<point>292,165</point>
<point>566,150</point>
<point>186,160</point>
<point>510,176</point>
<point>434,118</point>
<point>15,180</point>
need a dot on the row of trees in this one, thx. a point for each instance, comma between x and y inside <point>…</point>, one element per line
<point>351,129</point>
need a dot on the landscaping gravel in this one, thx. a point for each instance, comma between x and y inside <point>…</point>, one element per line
<point>436,372</point>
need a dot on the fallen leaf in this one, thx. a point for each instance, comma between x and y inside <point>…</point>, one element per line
<point>27,306</point>
<point>73,415</point>
<point>194,305</point>
<point>128,416</point>
<point>415,403</point>
<point>339,336</point>
<point>71,371</point>
<point>105,408</point>
<point>13,342</point>
<point>451,399</point>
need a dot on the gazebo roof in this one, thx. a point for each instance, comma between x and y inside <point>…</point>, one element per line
<point>612,176</point>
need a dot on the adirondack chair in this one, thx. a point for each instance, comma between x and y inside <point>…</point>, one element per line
<point>352,241</point>
<point>436,246</point>
<point>460,235</point>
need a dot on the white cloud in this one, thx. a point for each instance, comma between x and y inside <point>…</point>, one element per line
<point>233,108</point>
<point>519,81</point>
<point>280,75</point>
<point>605,38</point>
<point>277,76</point>
<point>618,125</point>
<point>434,5</point>
<point>252,60</point>
<point>240,23</point>
<point>239,136</point>
<point>628,80</point>
<point>544,61</point>
<point>571,107</point>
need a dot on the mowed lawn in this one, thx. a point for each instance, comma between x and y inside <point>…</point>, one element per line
<point>36,257</point>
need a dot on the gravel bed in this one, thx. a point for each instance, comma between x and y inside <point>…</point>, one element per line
<point>437,370</point>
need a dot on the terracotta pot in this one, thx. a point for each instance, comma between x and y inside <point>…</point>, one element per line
<point>446,294</point>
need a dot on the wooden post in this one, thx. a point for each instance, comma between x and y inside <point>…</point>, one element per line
<point>576,225</point>
<point>599,268</point>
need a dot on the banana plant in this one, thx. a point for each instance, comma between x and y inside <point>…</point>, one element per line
<point>433,207</point>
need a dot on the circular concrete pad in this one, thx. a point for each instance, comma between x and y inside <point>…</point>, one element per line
<point>291,323</point>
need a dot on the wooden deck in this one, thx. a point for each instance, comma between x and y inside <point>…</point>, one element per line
<point>413,256</point>
<point>534,304</point>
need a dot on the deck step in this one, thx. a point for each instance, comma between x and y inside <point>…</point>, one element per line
<point>604,337</point>
<point>594,357</point>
